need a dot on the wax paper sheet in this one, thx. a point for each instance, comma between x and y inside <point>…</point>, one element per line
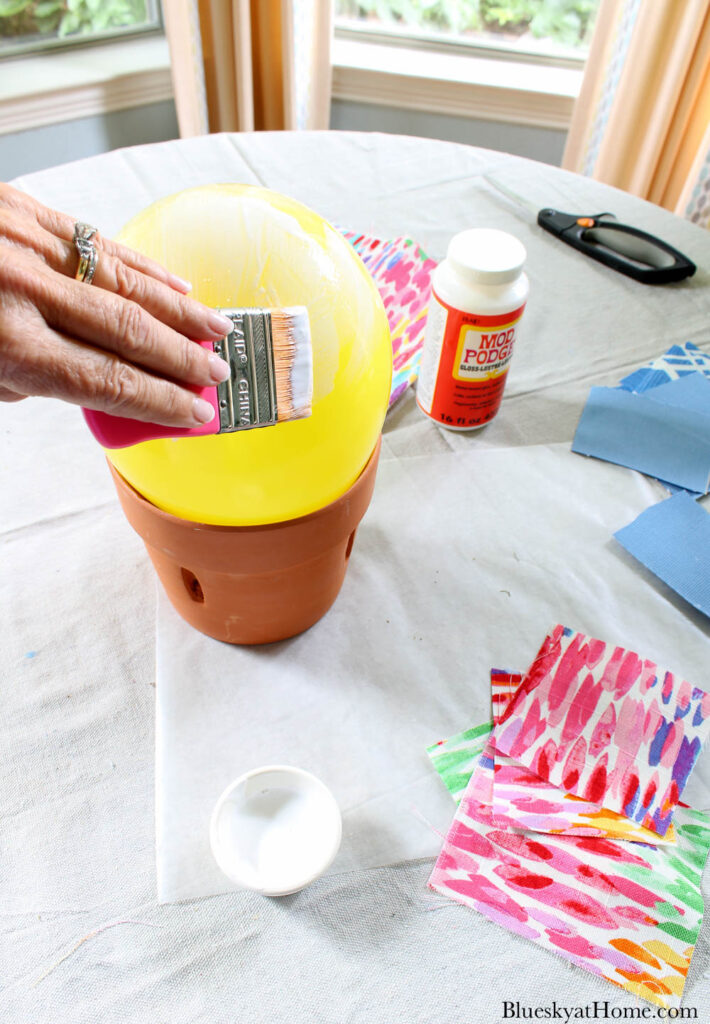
<point>672,539</point>
<point>678,361</point>
<point>670,442</point>
<point>605,724</point>
<point>629,913</point>
<point>402,273</point>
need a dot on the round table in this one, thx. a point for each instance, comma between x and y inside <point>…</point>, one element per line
<point>84,937</point>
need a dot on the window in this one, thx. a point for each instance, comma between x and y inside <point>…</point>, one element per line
<point>455,64</point>
<point>35,25</point>
<point>537,31</point>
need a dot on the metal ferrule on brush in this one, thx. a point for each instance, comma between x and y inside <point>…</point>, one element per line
<point>248,397</point>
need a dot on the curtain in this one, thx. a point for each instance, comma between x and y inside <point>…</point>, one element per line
<point>642,120</point>
<point>246,65</point>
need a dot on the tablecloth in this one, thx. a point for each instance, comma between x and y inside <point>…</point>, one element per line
<point>83,936</point>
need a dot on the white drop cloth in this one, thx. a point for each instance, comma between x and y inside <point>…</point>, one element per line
<point>78,893</point>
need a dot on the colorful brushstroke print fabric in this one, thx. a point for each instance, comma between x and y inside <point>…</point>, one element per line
<point>454,759</point>
<point>402,273</point>
<point>630,913</point>
<point>522,800</point>
<point>560,870</point>
<point>503,686</point>
<point>604,724</point>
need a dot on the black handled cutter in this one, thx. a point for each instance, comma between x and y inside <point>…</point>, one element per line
<point>624,248</point>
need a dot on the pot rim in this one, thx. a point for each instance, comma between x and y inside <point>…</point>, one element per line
<point>318,513</point>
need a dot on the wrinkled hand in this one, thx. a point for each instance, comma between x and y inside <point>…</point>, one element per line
<point>121,344</point>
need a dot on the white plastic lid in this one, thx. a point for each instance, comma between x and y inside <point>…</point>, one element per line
<point>275,830</point>
<point>486,256</point>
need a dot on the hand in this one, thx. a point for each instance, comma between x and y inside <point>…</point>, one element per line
<point>121,344</point>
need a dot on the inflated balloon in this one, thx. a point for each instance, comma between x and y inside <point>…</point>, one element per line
<point>246,246</point>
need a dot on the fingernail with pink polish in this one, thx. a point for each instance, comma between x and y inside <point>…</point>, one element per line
<point>202,411</point>
<point>179,284</point>
<point>219,368</point>
<point>219,323</point>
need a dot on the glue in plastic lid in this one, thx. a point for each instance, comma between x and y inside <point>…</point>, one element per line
<point>486,256</point>
<point>275,830</point>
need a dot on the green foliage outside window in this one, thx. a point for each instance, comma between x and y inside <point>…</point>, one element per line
<point>566,22</point>
<point>63,18</point>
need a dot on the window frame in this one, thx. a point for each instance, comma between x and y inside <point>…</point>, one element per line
<point>43,89</point>
<point>442,43</point>
<point>456,84</point>
<point>38,45</point>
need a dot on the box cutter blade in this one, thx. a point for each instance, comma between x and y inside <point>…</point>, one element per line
<point>622,247</point>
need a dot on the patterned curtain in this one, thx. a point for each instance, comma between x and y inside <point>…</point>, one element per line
<point>246,65</point>
<point>642,120</point>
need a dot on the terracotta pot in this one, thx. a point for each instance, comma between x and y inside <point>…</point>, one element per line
<point>252,584</point>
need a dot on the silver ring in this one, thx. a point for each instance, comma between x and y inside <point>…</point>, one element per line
<point>88,254</point>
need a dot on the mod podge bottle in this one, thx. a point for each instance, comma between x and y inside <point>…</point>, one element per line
<point>478,298</point>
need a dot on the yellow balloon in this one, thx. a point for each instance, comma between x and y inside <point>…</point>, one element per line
<point>245,246</point>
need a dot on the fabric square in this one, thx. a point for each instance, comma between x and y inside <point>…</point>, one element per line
<point>677,362</point>
<point>629,913</point>
<point>402,273</point>
<point>454,759</point>
<point>503,686</point>
<point>669,442</point>
<point>604,724</point>
<point>672,539</point>
<point>522,800</point>
<point>691,392</point>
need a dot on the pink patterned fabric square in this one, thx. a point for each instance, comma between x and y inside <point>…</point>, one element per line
<point>402,273</point>
<point>606,725</point>
<point>522,800</point>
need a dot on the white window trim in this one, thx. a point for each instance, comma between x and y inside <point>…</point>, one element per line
<point>477,87</point>
<point>83,82</point>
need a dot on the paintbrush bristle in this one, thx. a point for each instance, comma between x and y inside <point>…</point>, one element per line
<point>293,362</point>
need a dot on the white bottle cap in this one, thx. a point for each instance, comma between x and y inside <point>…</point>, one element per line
<point>275,829</point>
<point>486,256</point>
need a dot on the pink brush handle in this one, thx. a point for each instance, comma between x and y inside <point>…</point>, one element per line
<point>120,431</point>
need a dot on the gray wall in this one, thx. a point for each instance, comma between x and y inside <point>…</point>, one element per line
<point>37,148</point>
<point>545,144</point>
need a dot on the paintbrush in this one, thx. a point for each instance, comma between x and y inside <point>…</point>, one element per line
<point>271,381</point>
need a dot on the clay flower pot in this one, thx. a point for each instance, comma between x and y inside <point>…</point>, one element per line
<point>252,584</point>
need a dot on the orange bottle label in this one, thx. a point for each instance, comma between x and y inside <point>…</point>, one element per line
<point>475,352</point>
